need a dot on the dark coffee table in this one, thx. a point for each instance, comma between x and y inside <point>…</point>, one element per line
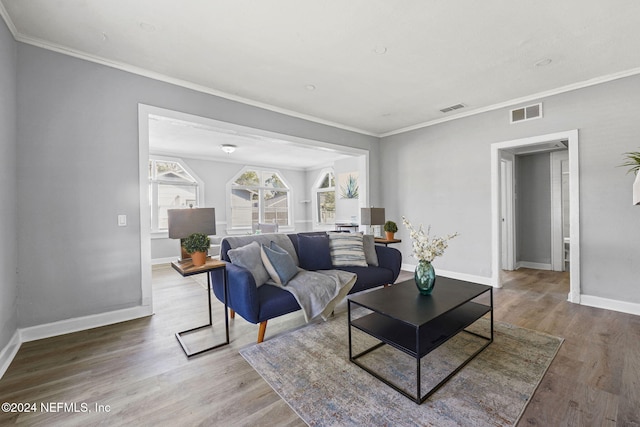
<point>418,324</point>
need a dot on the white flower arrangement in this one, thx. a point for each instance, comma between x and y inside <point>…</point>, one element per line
<point>426,248</point>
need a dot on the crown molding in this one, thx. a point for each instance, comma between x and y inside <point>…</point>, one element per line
<point>182,83</point>
<point>528,98</point>
<point>8,21</point>
<point>199,88</point>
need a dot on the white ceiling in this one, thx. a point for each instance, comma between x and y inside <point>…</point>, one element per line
<point>197,139</point>
<point>377,66</point>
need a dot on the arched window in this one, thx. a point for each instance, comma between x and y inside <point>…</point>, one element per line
<point>259,196</point>
<point>325,198</point>
<point>171,186</point>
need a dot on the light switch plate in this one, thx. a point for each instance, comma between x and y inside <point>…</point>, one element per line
<point>122,220</point>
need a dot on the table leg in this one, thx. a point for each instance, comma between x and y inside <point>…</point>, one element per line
<point>210,324</point>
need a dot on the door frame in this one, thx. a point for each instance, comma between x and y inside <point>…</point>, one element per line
<point>557,216</point>
<point>574,187</point>
<point>507,206</point>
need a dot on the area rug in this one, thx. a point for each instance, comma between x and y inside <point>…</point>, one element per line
<point>310,369</point>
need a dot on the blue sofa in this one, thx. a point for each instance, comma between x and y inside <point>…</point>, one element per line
<point>259,304</point>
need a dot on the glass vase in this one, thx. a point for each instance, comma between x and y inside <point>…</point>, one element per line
<point>425,277</point>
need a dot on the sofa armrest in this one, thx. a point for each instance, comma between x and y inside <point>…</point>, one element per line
<point>243,293</point>
<point>389,258</point>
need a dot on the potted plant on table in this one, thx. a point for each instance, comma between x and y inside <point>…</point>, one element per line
<point>197,245</point>
<point>633,162</point>
<point>390,228</point>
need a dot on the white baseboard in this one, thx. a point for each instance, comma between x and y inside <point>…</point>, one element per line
<point>67,326</point>
<point>169,260</point>
<point>76,324</point>
<point>610,304</point>
<point>9,352</point>
<point>453,275</point>
<point>534,265</point>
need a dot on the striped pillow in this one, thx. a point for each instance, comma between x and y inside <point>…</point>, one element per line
<point>346,249</point>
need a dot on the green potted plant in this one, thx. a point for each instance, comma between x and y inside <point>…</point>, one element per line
<point>390,228</point>
<point>197,245</point>
<point>633,162</point>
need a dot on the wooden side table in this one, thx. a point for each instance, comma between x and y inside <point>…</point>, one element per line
<point>186,268</point>
<point>386,242</point>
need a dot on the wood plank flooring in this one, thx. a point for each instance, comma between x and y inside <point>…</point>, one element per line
<point>139,371</point>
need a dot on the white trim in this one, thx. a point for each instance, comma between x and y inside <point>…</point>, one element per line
<point>610,304</point>
<point>83,323</point>
<point>453,275</point>
<point>574,184</point>
<point>557,239</point>
<point>509,103</point>
<point>199,88</point>
<point>8,21</point>
<point>574,218</point>
<point>167,260</point>
<point>179,82</point>
<point>10,350</point>
<point>534,265</point>
<point>509,211</point>
<point>66,326</point>
<point>145,215</point>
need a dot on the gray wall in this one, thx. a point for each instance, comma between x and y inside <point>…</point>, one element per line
<point>533,207</point>
<point>8,187</point>
<point>441,175</point>
<point>78,169</point>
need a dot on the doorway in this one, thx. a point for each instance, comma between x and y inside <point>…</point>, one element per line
<point>261,142</point>
<point>503,229</point>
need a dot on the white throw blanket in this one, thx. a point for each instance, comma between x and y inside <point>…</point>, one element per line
<point>318,292</point>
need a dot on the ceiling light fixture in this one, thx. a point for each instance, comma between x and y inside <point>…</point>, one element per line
<point>145,26</point>
<point>228,148</point>
<point>380,50</point>
<point>310,87</point>
<point>543,62</point>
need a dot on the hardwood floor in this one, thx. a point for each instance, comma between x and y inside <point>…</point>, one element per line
<point>139,373</point>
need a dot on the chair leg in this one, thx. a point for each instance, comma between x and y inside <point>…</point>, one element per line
<point>261,331</point>
<point>232,313</point>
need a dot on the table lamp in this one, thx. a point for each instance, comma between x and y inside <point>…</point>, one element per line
<point>372,216</point>
<point>185,222</point>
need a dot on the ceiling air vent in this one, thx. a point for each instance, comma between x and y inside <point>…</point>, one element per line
<point>453,107</point>
<point>529,112</point>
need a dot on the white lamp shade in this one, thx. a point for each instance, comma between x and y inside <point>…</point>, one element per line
<point>636,190</point>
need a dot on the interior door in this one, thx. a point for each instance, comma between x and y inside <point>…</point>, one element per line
<point>507,203</point>
<point>559,209</point>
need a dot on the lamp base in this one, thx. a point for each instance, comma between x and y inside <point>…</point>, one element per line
<point>183,253</point>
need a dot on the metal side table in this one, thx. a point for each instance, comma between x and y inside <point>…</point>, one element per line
<point>186,268</point>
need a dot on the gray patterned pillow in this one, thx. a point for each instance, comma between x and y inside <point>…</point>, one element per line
<point>347,250</point>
